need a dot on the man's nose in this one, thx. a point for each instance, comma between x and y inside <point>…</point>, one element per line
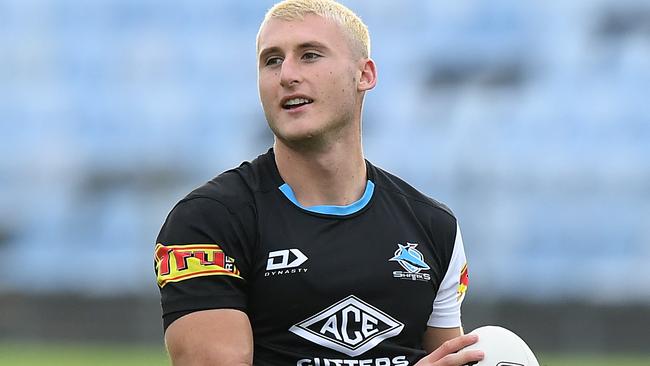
<point>290,73</point>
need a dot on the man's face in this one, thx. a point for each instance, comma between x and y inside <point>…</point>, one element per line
<point>307,78</point>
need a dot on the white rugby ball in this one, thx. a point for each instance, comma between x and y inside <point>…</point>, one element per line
<point>502,348</point>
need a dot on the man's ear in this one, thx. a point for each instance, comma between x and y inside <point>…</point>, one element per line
<point>368,77</point>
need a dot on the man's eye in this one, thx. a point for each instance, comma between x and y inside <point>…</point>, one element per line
<point>273,61</point>
<point>310,56</point>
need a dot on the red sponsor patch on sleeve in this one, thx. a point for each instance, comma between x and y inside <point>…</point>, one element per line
<point>463,283</point>
<point>176,263</point>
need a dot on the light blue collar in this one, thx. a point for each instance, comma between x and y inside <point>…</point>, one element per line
<point>332,209</point>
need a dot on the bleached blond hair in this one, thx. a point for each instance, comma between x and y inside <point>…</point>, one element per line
<point>351,24</point>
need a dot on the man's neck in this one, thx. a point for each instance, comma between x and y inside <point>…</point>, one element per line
<point>332,176</point>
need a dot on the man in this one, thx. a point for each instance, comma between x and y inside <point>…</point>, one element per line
<point>310,255</point>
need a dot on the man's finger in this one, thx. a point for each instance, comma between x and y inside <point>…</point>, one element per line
<point>452,346</point>
<point>461,358</point>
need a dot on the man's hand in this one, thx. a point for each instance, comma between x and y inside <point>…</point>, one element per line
<point>448,354</point>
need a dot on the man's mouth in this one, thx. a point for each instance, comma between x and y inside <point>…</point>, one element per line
<point>296,102</point>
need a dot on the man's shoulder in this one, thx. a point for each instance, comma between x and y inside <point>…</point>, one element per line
<point>235,187</point>
<point>395,185</point>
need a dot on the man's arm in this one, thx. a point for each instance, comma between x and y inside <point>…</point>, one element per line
<point>443,338</point>
<point>219,337</point>
<point>435,337</point>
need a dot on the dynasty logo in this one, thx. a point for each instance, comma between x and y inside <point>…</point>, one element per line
<point>283,262</point>
<point>412,261</point>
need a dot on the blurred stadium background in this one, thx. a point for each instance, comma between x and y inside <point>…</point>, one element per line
<point>530,119</point>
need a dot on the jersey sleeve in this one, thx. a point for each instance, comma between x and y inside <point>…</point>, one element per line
<point>446,306</point>
<point>202,258</point>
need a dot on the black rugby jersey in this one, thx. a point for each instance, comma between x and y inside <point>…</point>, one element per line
<point>322,285</point>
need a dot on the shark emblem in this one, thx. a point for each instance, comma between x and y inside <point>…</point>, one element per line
<point>410,258</point>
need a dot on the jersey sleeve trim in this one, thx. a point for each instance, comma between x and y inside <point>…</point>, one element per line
<point>446,306</point>
<point>173,310</point>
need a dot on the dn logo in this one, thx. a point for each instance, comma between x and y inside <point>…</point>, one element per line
<point>279,259</point>
<point>350,326</point>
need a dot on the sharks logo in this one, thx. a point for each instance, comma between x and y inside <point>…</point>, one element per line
<point>412,261</point>
<point>410,258</point>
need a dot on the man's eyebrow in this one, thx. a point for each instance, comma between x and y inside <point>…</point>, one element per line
<point>267,51</point>
<point>302,46</point>
<point>311,44</point>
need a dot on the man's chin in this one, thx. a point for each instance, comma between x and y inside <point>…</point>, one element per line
<point>295,134</point>
<point>301,141</point>
<point>303,137</point>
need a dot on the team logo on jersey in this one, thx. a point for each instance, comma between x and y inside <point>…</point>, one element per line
<point>176,263</point>
<point>412,261</point>
<point>462,283</point>
<point>286,261</point>
<point>350,326</point>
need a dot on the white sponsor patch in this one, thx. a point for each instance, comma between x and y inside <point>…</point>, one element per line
<point>350,326</point>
